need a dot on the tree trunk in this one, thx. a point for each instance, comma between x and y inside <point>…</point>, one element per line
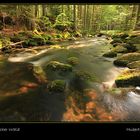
<point>137,23</point>
<point>74,17</point>
<point>44,10</point>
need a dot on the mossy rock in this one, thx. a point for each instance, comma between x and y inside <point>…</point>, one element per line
<point>120,35</point>
<point>73,60</point>
<point>134,39</point>
<point>57,86</point>
<point>58,66</point>
<point>120,49</point>
<point>116,40</point>
<point>110,54</point>
<point>126,59</point>
<point>123,35</point>
<point>134,65</point>
<point>128,78</point>
<point>130,47</point>
<point>39,74</point>
<point>84,76</point>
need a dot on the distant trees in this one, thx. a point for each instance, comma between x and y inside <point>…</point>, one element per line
<point>85,18</point>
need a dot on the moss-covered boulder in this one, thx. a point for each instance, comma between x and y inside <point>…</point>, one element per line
<point>58,66</point>
<point>57,86</point>
<point>134,65</point>
<point>120,49</point>
<point>134,39</point>
<point>83,75</point>
<point>116,40</point>
<point>126,59</point>
<point>110,54</point>
<point>130,47</point>
<point>128,78</point>
<point>73,60</point>
<point>120,35</point>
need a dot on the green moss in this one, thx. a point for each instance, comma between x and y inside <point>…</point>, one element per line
<point>128,78</point>
<point>39,73</point>
<point>73,60</point>
<point>46,37</point>
<point>110,54</point>
<point>57,86</point>
<point>55,65</point>
<point>134,39</point>
<point>119,49</point>
<point>127,58</point>
<point>116,40</point>
<point>130,47</point>
<point>120,35</point>
<point>82,75</point>
<point>133,65</point>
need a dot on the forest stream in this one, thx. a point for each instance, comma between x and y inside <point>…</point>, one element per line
<point>24,94</point>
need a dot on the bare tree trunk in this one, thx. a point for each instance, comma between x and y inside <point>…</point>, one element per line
<point>137,23</point>
<point>44,10</point>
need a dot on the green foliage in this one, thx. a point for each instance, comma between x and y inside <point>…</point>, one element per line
<point>50,43</point>
<point>57,86</point>
<point>4,41</point>
<point>46,37</point>
<point>44,23</point>
<point>58,36</point>
<point>62,23</point>
<point>58,66</point>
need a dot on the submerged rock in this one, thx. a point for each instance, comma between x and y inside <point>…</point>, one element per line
<point>55,65</point>
<point>128,78</point>
<point>57,86</point>
<point>73,60</point>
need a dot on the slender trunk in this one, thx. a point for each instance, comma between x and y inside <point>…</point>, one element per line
<point>75,22</point>
<point>137,23</point>
<point>43,10</point>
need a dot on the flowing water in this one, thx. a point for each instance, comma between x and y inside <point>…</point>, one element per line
<point>24,97</point>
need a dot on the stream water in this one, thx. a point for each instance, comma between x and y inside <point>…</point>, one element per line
<point>24,98</point>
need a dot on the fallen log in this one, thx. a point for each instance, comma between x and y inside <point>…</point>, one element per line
<point>17,43</point>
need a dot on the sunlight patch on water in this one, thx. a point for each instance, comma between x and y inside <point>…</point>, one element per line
<point>42,60</point>
<point>22,57</point>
